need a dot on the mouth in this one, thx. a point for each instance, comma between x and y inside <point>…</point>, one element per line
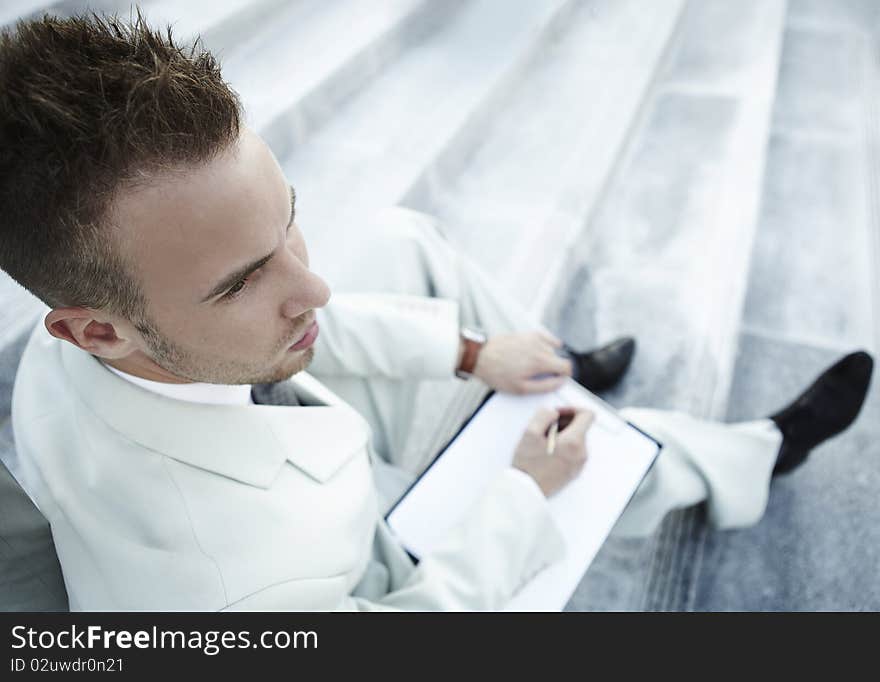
<point>307,339</point>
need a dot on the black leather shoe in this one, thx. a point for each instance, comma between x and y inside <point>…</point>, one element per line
<point>825,409</point>
<point>602,368</point>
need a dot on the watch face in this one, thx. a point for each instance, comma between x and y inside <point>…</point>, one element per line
<point>473,335</point>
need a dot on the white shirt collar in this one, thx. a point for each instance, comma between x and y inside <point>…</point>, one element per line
<point>210,394</point>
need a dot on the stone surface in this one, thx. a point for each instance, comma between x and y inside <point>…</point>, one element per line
<point>818,546</point>
<point>371,150</point>
<point>516,196</point>
<point>725,46</point>
<point>812,296</point>
<point>13,10</point>
<point>667,253</point>
<point>820,80</point>
<point>813,238</point>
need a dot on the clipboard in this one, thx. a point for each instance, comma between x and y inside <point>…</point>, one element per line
<point>619,455</point>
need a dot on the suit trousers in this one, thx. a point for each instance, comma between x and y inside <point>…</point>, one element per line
<point>726,465</point>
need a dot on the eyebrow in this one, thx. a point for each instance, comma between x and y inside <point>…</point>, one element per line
<point>242,272</point>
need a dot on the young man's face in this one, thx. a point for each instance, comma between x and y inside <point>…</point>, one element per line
<point>192,234</point>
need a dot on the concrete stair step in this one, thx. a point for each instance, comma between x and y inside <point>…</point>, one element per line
<point>12,10</point>
<point>667,252</point>
<point>221,24</point>
<point>516,190</point>
<point>813,294</point>
<point>29,9</point>
<point>292,62</point>
<point>371,151</point>
<point>690,183</point>
<point>296,70</point>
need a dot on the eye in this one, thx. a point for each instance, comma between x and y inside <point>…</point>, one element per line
<point>236,289</point>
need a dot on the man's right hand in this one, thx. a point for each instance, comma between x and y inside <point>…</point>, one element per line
<point>553,472</point>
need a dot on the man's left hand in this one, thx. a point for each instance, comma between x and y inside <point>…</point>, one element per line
<point>519,363</point>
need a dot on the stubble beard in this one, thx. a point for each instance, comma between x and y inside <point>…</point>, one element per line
<point>185,365</point>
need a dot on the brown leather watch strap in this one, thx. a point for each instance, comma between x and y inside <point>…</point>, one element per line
<point>469,357</point>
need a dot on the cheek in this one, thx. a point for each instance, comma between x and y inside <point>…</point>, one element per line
<point>244,329</point>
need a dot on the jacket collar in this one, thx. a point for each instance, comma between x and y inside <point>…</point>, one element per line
<point>248,443</point>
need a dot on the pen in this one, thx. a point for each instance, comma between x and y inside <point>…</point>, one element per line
<point>566,414</point>
<point>551,437</point>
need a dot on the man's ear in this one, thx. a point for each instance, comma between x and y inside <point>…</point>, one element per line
<point>81,327</point>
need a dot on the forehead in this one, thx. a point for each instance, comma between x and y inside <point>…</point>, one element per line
<point>190,227</point>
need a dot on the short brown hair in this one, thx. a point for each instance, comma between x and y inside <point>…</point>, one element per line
<point>86,105</point>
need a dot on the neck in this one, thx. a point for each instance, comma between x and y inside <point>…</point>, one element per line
<point>139,365</point>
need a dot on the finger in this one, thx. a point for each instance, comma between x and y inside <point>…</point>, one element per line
<point>577,430</point>
<point>540,368</point>
<point>543,365</point>
<point>566,415</point>
<point>547,337</point>
<point>552,363</point>
<point>542,384</point>
<point>541,421</point>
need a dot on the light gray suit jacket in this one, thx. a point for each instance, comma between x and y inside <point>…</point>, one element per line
<point>161,504</point>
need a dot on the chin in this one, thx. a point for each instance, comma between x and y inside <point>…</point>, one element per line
<point>296,364</point>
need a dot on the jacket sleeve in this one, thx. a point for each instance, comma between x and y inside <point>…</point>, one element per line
<point>506,540</point>
<point>390,335</point>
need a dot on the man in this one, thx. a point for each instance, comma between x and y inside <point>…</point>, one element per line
<point>161,232</point>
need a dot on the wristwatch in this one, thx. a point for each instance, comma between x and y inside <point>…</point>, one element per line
<point>473,340</point>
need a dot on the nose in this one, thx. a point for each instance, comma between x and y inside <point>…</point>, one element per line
<point>306,291</point>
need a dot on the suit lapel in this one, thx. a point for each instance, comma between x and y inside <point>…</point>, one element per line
<point>246,443</point>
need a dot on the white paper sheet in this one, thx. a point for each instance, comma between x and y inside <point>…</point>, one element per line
<point>585,510</point>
